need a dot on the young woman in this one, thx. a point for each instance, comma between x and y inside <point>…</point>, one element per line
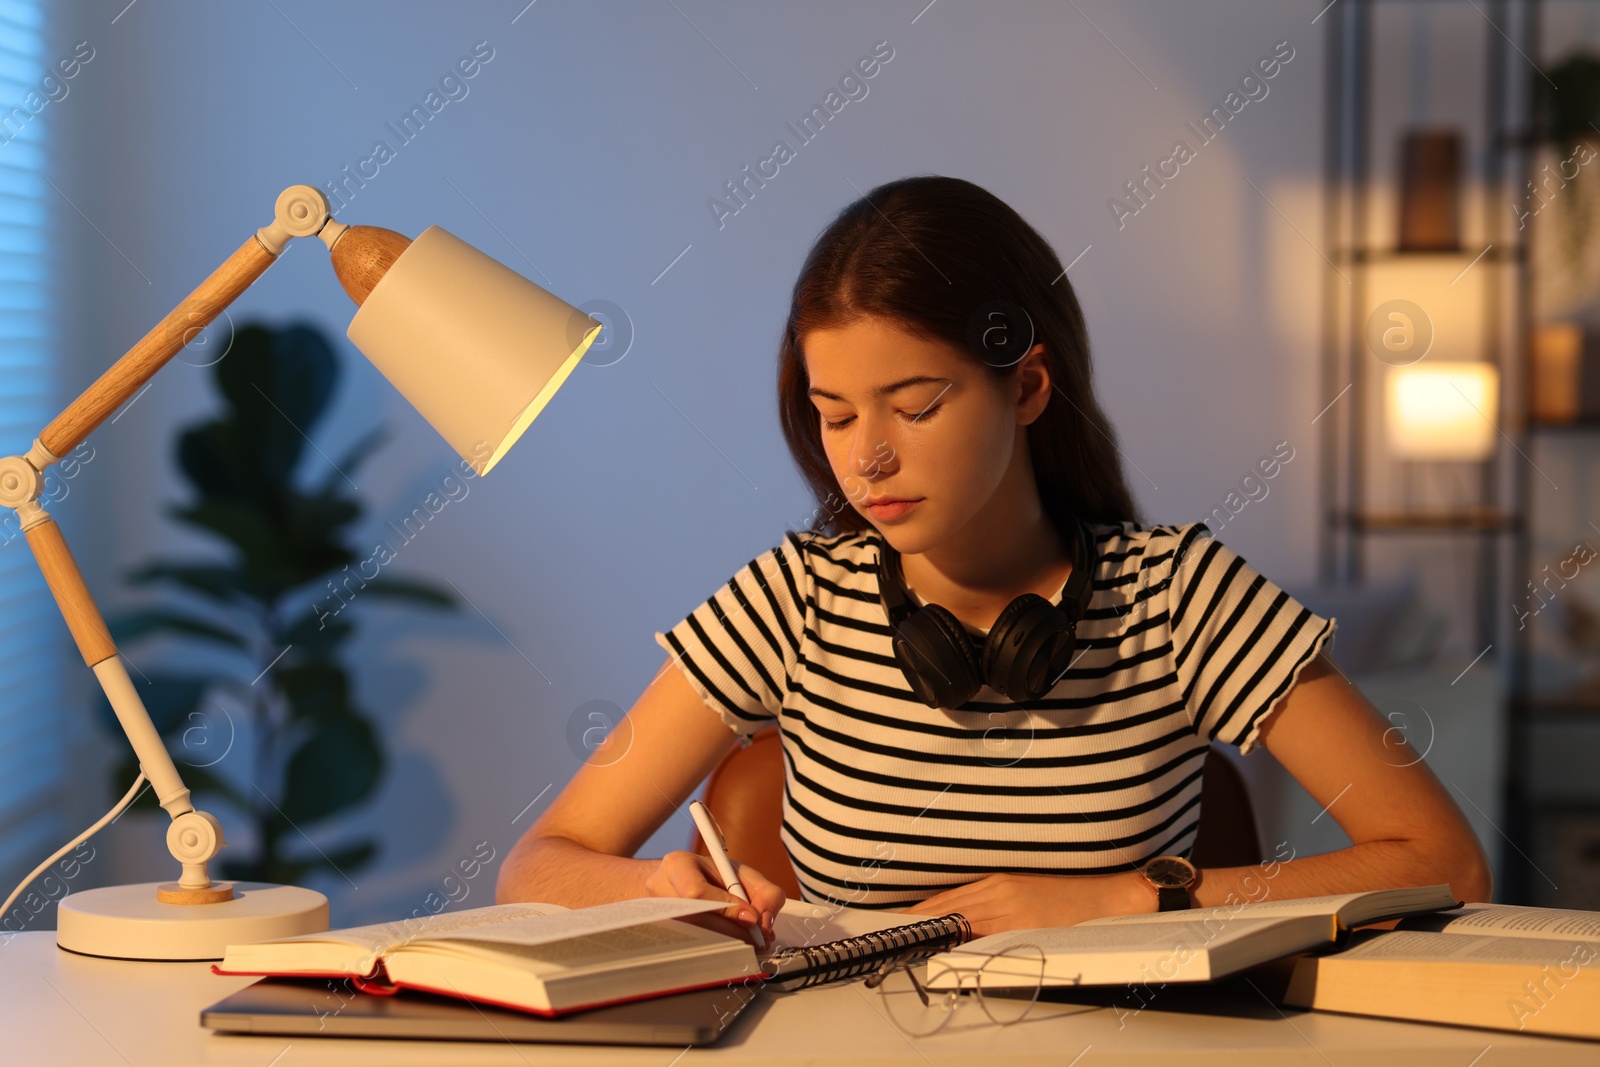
<point>934,387</point>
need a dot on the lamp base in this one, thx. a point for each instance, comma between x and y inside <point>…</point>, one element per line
<point>127,922</point>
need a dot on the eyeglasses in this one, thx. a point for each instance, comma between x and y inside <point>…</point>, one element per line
<point>1005,984</point>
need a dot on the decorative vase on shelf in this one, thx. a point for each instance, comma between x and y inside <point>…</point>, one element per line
<point>1430,191</point>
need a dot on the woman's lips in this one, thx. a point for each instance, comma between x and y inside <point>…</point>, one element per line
<point>891,510</point>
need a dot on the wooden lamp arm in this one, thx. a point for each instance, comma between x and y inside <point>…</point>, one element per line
<point>363,255</point>
<point>124,377</point>
<point>301,211</point>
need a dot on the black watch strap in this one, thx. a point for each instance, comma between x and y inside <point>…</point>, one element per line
<point>1170,898</point>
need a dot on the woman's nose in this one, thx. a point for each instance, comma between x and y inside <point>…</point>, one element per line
<point>871,454</point>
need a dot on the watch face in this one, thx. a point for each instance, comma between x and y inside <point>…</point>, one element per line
<point>1170,872</point>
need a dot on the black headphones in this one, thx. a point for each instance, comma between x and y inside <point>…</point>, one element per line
<point>1026,651</point>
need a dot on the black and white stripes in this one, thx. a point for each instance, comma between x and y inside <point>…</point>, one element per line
<point>888,801</point>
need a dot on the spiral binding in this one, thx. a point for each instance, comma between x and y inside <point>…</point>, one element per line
<point>797,968</point>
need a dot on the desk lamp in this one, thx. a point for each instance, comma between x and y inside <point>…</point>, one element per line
<point>476,348</point>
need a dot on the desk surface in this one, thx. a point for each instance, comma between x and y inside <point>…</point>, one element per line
<point>60,1008</point>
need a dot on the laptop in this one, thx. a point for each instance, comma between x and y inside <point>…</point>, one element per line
<point>318,1007</point>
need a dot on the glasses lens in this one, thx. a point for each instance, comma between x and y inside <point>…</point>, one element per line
<point>1008,982</point>
<point>915,1010</point>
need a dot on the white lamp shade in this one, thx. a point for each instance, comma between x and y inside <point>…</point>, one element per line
<point>1443,410</point>
<point>474,346</point>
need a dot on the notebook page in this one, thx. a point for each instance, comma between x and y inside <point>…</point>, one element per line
<point>800,924</point>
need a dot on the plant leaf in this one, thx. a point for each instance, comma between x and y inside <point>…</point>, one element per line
<point>218,582</point>
<point>317,632</point>
<point>317,689</point>
<point>214,460</point>
<point>202,781</point>
<point>332,769</point>
<point>344,860</point>
<point>353,458</point>
<point>136,625</point>
<point>240,521</point>
<point>422,593</point>
<point>278,383</point>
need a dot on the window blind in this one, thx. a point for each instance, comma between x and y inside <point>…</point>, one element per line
<point>32,635</point>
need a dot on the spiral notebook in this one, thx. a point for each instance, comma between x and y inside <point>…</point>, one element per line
<point>818,944</point>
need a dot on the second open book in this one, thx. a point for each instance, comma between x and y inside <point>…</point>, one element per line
<point>1194,945</point>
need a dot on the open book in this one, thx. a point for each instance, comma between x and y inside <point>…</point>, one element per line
<point>539,958</point>
<point>1491,965</point>
<point>547,959</point>
<point>1194,945</point>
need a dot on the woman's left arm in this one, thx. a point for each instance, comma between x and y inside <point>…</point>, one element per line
<point>1403,826</point>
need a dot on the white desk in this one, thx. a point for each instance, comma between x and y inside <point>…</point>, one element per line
<point>60,1008</point>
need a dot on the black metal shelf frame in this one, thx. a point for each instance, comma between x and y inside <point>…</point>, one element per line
<point>1500,522</point>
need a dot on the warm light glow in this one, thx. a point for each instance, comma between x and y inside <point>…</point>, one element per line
<point>531,412</point>
<point>1443,410</point>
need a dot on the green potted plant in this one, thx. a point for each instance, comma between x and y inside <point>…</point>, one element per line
<point>250,623</point>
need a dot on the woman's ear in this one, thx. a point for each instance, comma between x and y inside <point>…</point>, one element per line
<point>1033,385</point>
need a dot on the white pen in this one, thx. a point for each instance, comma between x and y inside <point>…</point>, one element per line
<point>713,839</point>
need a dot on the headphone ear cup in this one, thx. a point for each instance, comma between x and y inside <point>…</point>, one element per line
<point>935,654</point>
<point>1024,647</point>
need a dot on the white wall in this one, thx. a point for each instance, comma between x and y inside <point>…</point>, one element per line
<point>585,154</point>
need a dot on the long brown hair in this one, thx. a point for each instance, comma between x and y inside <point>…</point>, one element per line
<point>931,253</point>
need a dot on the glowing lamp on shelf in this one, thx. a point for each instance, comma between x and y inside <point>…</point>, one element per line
<point>1443,411</point>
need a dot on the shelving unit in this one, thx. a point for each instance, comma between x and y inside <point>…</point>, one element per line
<point>1497,524</point>
<point>1348,518</point>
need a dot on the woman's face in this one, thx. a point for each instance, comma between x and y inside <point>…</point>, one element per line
<point>909,419</point>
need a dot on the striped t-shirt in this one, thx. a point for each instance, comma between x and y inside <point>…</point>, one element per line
<point>888,801</point>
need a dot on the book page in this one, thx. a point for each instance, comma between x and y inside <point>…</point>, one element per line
<point>380,937</point>
<point>1265,909</point>
<point>632,944</point>
<point>1554,923</point>
<point>1091,937</point>
<point>582,922</point>
<point>800,924</point>
<point>1353,909</point>
<point>1422,946</point>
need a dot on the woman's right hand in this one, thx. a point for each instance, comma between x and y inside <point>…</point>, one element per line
<point>692,876</point>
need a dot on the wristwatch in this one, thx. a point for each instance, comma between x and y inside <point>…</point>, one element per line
<point>1173,877</point>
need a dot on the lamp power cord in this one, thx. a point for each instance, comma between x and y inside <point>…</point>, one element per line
<point>117,809</point>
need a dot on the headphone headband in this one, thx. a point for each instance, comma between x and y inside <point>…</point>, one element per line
<point>1027,649</point>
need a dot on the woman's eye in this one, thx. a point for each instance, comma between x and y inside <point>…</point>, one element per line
<point>909,416</point>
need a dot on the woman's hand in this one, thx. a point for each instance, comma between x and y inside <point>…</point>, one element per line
<point>694,877</point>
<point>1023,901</point>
